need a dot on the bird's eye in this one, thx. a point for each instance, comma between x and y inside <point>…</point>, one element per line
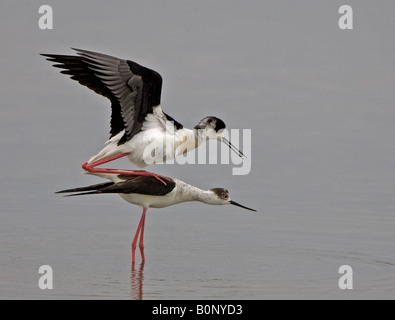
<point>225,196</point>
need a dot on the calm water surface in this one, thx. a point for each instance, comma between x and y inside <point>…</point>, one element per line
<point>195,251</point>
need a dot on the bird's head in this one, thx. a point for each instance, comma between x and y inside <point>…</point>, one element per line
<point>221,196</point>
<point>213,128</point>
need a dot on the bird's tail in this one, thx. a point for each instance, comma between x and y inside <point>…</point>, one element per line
<point>111,149</point>
<point>93,189</point>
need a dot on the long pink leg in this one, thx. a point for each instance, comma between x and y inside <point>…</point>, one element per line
<point>134,243</point>
<point>91,167</point>
<point>141,243</point>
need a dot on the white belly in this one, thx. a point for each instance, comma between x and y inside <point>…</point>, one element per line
<point>147,201</point>
<point>145,148</point>
<point>154,146</point>
<point>150,146</point>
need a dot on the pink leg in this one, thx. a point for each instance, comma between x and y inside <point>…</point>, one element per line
<point>98,163</point>
<point>134,243</point>
<point>141,243</point>
<point>91,167</point>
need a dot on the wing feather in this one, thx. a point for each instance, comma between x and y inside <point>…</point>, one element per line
<point>132,89</point>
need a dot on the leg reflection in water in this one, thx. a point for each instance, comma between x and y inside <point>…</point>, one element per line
<point>136,282</point>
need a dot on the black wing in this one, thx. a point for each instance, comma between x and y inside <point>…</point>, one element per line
<point>94,187</point>
<point>132,184</point>
<point>142,185</point>
<point>132,89</point>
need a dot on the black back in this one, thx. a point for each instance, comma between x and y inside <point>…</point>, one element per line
<point>141,185</point>
<point>131,184</point>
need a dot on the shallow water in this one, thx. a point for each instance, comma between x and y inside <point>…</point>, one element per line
<point>194,252</point>
<point>320,106</point>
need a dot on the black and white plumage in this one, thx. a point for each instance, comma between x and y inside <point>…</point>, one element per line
<point>148,192</point>
<point>139,127</point>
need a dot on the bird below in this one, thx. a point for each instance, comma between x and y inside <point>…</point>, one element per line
<point>140,130</point>
<point>148,192</point>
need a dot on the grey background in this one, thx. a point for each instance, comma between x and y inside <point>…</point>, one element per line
<point>319,101</point>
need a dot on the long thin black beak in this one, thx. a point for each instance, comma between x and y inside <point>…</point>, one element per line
<point>239,205</point>
<point>233,148</point>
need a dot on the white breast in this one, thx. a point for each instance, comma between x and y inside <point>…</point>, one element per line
<point>148,201</point>
<point>159,141</point>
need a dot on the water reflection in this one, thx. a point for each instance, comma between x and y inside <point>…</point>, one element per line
<point>136,282</point>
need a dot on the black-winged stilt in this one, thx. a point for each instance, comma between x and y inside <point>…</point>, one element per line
<point>148,192</point>
<point>139,127</point>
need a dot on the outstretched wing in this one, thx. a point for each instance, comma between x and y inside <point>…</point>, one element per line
<point>132,89</point>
